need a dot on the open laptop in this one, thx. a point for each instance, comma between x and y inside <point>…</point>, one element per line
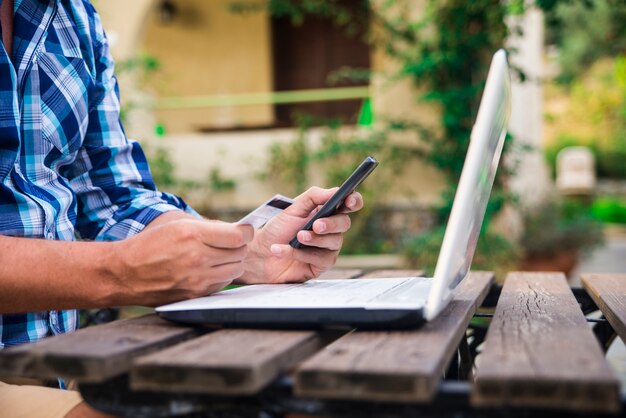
<point>379,303</point>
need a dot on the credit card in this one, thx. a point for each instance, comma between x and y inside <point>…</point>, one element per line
<point>266,211</point>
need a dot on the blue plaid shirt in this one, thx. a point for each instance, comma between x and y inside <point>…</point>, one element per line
<point>66,166</point>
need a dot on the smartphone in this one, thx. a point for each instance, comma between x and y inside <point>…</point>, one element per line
<point>334,203</point>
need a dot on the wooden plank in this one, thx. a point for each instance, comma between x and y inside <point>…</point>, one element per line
<point>95,353</point>
<point>540,351</point>
<point>224,362</point>
<point>393,366</point>
<point>335,274</point>
<point>393,273</point>
<point>608,291</point>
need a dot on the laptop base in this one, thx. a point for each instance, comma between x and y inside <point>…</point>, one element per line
<point>300,318</point>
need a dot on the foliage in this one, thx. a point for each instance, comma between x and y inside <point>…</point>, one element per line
<point>288,163</point>
<point>556,226</point>
<point>218,182</point>
<point>493,252</point>
<point>595,116</point>
<point>141,67</point>
<point>351,19</point>
<point>609,209</point>
<point>161,167</point>
<point>584,32</point>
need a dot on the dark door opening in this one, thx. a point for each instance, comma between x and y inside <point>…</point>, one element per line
<point>305,55</point>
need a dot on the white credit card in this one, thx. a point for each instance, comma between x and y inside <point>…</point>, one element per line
<point>259,216</point>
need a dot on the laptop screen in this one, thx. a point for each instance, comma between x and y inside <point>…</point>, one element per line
<point>476,181</point>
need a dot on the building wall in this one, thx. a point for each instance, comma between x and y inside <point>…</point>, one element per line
<point>208,50</point>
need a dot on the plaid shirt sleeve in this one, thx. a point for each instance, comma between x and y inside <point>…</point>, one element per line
<point>116,195</point>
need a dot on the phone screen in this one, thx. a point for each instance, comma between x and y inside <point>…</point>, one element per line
<point>334,203</point>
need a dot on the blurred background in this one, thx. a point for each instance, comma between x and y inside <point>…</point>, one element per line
<point>236,100</point>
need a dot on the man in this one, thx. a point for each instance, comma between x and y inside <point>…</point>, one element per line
<point>67,168</point>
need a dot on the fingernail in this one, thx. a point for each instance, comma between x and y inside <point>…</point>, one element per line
<point>275,249</point>
<point>306,236</point>
<point>321,226</point>
<point>351,201</point>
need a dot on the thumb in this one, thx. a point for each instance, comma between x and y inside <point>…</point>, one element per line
<point>310,200</point>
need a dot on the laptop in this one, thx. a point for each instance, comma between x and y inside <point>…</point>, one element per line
<point>379,303</point>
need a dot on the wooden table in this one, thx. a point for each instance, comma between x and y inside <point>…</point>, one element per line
<point>537,355</point>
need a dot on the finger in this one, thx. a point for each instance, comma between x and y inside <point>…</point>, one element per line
<point>353,203</point>
<point>332,225</point>
<point>327,241</point>
<point>319,259</point>
<point>225,235</point>
<point>309,200</point>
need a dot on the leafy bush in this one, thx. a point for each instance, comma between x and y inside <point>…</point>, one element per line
<point>608,209</point>
<point>584,32</point>
<point>611,162</point>
<point>595,116</point>
<point>556,226</point>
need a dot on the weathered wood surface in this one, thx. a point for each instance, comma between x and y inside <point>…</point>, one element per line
<point>540,351</point>
<point>92,354</point>
<point>608,291</point>
<point>224,362</point>
<point>376,274</point>
<point>397,365</point>
<point>335,274</point>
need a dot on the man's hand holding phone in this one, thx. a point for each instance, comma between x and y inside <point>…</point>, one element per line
<point>272,260</point>
<point>334,204</point>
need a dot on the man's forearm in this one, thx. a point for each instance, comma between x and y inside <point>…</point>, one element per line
<point>37,274</point>
<point>177,256</point>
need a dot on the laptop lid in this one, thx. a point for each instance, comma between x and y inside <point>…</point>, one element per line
<point>474,188</point>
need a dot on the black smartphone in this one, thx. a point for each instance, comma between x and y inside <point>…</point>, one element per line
<point>334,203</point>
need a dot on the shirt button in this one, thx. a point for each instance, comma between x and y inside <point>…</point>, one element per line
<point>50,235</point>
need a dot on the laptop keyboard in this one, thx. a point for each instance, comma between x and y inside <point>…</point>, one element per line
<point>414,290</point>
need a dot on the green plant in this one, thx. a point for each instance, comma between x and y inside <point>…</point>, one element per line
<point>141,67</point>
<point>584,32</point>
<point>161,167</point>
<point>288,163</point>
<point>559,226</point>
<point>609,209</point>
<point>595,116</point>
<point>218,183</point>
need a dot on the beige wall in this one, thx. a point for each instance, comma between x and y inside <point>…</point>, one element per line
<point>208,50</point>
<point>124,22</point>
<point>205,50</point>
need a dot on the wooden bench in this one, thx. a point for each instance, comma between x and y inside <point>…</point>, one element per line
<point>609,292</point>
<point>539,353</point>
